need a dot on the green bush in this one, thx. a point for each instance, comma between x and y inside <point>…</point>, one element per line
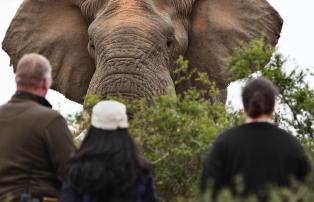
<point>175,132</point>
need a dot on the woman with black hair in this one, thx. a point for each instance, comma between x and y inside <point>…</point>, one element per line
<point>107,167</point>
<point>258,151</point>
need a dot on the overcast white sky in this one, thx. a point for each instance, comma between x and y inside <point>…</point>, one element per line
<point>297,42</point>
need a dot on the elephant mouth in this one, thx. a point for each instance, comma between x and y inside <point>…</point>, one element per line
<point>131,78</point>
<point>130,86</point>
<point>127,85</point>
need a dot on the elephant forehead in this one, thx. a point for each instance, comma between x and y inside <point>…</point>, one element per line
<point>127,3</point>
<point>123,4</point>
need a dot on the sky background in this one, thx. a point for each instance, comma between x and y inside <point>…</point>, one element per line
<point>296,42</point>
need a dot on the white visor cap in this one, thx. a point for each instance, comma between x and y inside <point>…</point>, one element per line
<point>109,115</point>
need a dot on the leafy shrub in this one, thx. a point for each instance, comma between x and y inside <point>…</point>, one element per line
<point>296,98</point>
<point>174,132</point>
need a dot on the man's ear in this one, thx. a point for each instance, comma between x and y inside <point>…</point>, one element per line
<point>45,84</point>
<point>57,30</point>
<point>244,109</point>
<point>274,106</point>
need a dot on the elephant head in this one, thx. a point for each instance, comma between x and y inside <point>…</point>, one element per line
<point>129,47</point>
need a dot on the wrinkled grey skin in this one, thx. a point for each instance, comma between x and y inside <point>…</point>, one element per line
<point>129,47</point>
<point>132,55</point>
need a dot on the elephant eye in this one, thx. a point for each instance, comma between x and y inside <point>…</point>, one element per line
<point>91,44</point>
<point>91,47</point>
<point>170,42</point>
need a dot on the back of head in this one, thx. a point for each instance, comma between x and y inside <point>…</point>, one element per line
<point>258,97</point>
<point>31,70</point>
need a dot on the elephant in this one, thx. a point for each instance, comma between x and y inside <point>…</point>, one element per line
<point>129,47</point>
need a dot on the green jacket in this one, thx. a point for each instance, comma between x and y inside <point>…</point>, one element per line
<point>35,145</point>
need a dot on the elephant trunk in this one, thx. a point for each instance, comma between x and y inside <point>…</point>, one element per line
<point>131,65</point>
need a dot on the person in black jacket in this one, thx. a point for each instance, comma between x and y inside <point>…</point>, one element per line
<point>108,167</point>
<point>35,142</point>
<point>258,152</point>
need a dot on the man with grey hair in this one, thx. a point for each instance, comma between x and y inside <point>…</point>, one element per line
<point>35,143</point>
<point>32,70</point>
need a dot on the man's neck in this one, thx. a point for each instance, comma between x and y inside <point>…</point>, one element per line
<point>31,96</point>
<point>35,91</point>
<point>262,118</point>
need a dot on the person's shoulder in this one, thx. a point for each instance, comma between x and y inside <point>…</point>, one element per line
<point>48,112</point>
<point>227,133</point>
<point>286,137</point>
<point>3,106</point>
<point>44,114</point>
<point>226,136</point>
<point>282,132</point>
<point>233,134</point>
<point>68,193</point>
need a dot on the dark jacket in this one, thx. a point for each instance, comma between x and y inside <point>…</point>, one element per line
<point>145,193</point>
<point>35,144</point>
<point>259,153</point>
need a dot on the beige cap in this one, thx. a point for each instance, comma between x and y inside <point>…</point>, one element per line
<point>109,115</point>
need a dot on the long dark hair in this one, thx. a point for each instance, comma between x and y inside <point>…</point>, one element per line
<point>107,166</point>
<point>258,97</point>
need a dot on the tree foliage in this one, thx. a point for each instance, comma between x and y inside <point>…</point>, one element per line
<point>175,132</point>
<point>296,98</point>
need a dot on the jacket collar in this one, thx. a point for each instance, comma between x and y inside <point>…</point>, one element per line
<point>28,96</point>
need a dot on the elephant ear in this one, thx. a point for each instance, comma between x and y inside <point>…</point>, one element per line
<point>219,26</point>
<point>57,30</point>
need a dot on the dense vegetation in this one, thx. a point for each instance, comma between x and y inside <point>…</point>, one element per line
<point>176,131</point>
